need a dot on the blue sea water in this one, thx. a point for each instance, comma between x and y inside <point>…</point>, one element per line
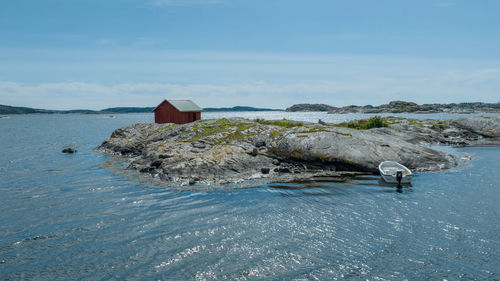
<point>72,217</point>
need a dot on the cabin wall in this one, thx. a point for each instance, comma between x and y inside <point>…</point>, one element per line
<point>166,113</point>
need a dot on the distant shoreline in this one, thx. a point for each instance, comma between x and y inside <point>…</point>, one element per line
<point>402,107</point>
<point>392,107</point>
<point>12,110</point>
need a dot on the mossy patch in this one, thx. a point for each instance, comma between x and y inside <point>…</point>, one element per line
<point>280,123</point>
<point>343,134</point>
<point>313,130</point>
<point>416,122</point>
<point>228,130</point>
<point>275,134</point>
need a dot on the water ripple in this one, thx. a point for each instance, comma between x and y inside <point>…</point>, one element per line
<point>69,217</point>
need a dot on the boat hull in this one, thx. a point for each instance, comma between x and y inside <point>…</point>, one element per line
<point>392,179</point>
<point>388,171</point>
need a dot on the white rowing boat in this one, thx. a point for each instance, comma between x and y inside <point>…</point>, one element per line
<point>389,172</point>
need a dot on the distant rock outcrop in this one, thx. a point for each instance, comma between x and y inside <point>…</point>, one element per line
<point>401,107</point>
<point>310,107</point>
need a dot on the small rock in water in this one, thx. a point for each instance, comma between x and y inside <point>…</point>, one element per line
<point>192,181</point>
<point>69,150</point>
<point>265,170</point>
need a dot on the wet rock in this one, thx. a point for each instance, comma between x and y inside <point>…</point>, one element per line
<point>282,170</point>
<point>156,163</point>
<point>265,171</point>
<point>145,169</point>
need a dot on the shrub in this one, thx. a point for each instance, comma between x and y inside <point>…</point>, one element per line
<point>365,124</point>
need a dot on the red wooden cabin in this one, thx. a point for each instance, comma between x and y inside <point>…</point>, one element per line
<point>177,111</point>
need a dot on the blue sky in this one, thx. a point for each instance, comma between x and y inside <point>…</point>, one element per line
<point>66,54</point>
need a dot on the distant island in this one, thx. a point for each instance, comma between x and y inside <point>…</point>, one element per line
<point>402,107</point>
<point>5,109</point>
<point>309,107</point>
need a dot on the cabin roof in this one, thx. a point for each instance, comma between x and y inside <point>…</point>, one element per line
<point>182,105</point>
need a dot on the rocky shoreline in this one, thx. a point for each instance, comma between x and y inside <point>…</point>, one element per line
<point>233,150</point>
<point>402,107</point>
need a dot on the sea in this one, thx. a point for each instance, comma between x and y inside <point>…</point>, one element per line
<point>78,217</point>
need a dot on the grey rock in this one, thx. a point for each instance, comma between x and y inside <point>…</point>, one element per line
<point>254,152</point>
<point>198,145</point>
<point>265,170</point>
<point>260,141</point>
<point>485,126</point>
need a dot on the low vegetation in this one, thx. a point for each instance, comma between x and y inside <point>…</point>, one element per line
<point>224,130</point>
<point>280,123</point>
<point>365,124</point>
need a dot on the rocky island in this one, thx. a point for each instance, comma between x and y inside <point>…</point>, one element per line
<point>402,107</point>
<point>234,150</point>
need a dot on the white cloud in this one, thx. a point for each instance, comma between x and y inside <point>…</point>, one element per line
<point>100,80</point>
<point>456,87</point>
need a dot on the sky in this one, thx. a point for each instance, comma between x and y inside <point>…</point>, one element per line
<point>94,54</point>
